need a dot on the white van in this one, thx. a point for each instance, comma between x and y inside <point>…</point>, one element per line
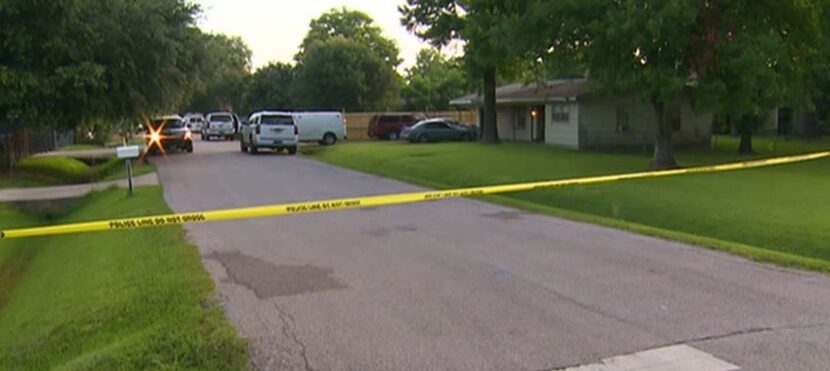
<point>325,128</point>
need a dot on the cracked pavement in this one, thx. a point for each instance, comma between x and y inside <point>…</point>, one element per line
<point>466,285</point>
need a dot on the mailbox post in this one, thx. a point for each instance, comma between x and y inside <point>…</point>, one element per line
<point>129,153</point>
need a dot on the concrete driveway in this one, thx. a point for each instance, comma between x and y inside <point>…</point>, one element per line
<point>466,285</point>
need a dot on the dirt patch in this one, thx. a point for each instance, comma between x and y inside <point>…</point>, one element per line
<point>506,215</point>
<point>12,271</point>
<point>268,280</point>
<point>384,232</point>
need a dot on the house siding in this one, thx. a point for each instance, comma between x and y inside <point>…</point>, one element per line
<point>564,134</point>
<point>598,124</point>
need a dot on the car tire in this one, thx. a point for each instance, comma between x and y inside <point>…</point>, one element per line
<point>466,137</point>
<point>329,139</point>
<point>394,135</point>
<point>423,138</point>
<point>292,150</point>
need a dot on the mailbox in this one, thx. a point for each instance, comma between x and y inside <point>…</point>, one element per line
<point>128,152</point>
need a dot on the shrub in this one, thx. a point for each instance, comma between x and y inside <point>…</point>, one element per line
<point>63,169</point>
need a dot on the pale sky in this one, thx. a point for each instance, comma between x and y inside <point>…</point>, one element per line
<point>274,29</point>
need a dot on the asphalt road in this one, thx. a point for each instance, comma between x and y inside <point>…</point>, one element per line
<point>467,285</point>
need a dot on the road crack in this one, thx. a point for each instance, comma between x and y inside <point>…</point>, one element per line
<point>288,325</point>
<point>750,331</point>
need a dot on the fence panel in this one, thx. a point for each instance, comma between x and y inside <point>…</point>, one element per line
<point>358,122</point>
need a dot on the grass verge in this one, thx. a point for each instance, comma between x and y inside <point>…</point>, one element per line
<point>129,300</point>
<point>776,214</point>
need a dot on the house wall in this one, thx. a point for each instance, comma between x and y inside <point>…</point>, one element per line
<point>509,123</point>
<point>562,133</point>
<point>599,117</point>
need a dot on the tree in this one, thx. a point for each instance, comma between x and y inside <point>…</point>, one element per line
<point>756,58</point>
<point>269,88</point>
<point>345,63</point>
<point>433,81</point>
<point>353,25</point>
<point>70,61</point>
<point>226,64</point>
<point>340,73</point>
<point>476,23</point>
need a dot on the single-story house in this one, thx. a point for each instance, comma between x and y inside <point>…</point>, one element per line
<point>564,112</point>
<point>789,121</point>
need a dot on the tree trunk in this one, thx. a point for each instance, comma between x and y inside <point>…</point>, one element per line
<point>663,151</point>
<point>745,129</point>
<point>490,131</point>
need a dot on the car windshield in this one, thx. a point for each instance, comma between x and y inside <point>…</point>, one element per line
<point>276,120</point>
<point>168,123</point>
<point>221,118</point>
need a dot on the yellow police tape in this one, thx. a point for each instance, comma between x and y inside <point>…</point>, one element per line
<point>360,202</point>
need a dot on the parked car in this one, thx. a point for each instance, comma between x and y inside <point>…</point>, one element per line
<point>168,132</point>
<point>325,128</point>
<point>269,129</point>
<point>438,130</point>
<point>194,122</point>
<point>391,125</point>
<point>218,125</point>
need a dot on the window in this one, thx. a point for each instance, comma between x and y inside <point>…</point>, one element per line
<point>221,118</point>
<point>622,120</point>
<point>521,118</point>
<point>674,117</point>
<point>276,120</point>
<point>561,113</point>
<point>436,125</point>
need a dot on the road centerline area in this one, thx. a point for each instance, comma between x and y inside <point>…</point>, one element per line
<point>466,285</point>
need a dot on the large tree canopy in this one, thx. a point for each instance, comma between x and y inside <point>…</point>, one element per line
<point>269,88</point>
<point>433,81</point>
<point>67,61</point>
<point>353,25</point>
<point>345,63</point>
<point>225,65</point>
<point>344,74</point>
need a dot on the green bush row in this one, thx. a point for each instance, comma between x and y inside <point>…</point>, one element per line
<point>66,170</point>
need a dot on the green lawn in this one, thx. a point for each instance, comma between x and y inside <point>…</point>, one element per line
<point>777,214</point>
<point>131,300</point>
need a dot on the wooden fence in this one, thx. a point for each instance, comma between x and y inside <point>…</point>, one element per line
<point>358,122</point>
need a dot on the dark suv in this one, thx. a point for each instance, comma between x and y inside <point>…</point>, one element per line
<point>168,132</point>
<point>390,125</point>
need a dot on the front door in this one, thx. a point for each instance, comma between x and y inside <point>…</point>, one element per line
<point>537,114</point>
